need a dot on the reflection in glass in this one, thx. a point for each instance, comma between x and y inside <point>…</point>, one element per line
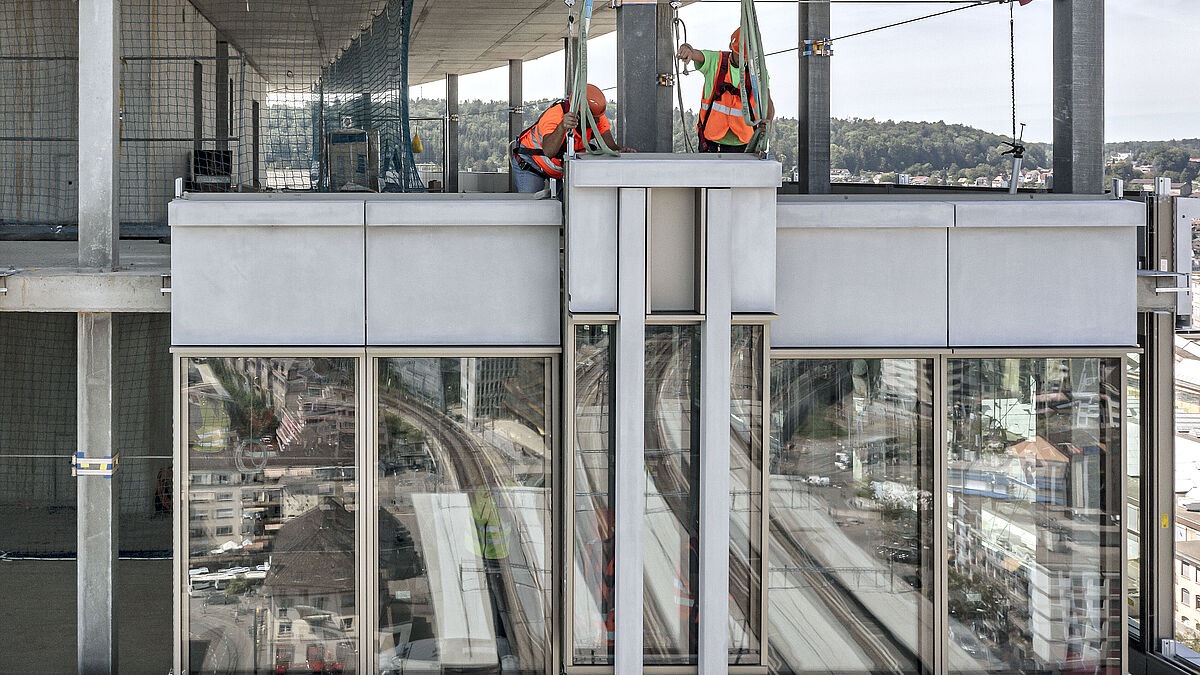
<point>672,522</point>
<point>1032,500</point>
<point>271,449</point>
<point>851,560</point>
<point>745,494</point>
<point>464,514</point>
<point>594,474</point>
<point>1133,474</point>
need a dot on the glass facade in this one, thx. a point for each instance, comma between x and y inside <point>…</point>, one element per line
<point>747,384</point>
<point>1133,492</point>
<point>271,453</point>
<point>1033,499</point>
<point>672,524</point>
<point>851,547</point>
<point>593,476</point>
<point>463,487</point>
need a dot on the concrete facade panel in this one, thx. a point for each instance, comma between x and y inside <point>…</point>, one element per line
<point>860,287</point>
<point>1042,286</point>
<point>752,239</point>
<point>477,285</point>
<point>592,250</point>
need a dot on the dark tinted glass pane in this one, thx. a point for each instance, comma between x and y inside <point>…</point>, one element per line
<point>593,475</point>
<point>851,515</point>
<point>672,524</point>
<point>1034,560</point>
<point>271,452</point>
<point>464,515</point>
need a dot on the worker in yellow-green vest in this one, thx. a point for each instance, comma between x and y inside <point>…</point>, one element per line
<point>489,527</point>
<point>720,125</point>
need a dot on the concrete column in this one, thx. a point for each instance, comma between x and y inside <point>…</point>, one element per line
<point>714,437</point>
<point>630,394</point>
<point>1079,96</point>
<point>644,50</point>
<point>451,133</point>
<point>99,133</point>
<point>812,155</point>
<point>221,72</point>
<point>516,99</point>
<point>96,347</point>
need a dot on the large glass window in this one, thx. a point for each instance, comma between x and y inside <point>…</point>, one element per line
<point>672,455</point>
<point>593,477</point>
<point>1133,507</point>
<point>1032,495</point>
<point>271,514</point>
<point>747,385</point>
<point>464,482</point>
<point>851,548</point>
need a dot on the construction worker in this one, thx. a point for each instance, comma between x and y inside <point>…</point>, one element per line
<point>537,153</point>
<point>720,125</point>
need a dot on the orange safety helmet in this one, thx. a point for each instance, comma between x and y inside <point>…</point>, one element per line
<point>735,43</point>
<point>596,100</point>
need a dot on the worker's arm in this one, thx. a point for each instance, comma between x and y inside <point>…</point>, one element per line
<point>552,144</point>
<point>610,142</point>
<point>770,111</point>
<point>687,52</point>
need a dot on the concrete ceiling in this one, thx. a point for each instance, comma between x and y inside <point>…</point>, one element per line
<point>288,41</point>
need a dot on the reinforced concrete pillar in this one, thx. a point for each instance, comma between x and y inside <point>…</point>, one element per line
<point>221,70</point>
<point>96,351</point>
<point>451,133</point>
<point>99,133</point>
<point>1079,96</point>
<point>644,50</point>
<point>516,101</point>
<point>812,156</point>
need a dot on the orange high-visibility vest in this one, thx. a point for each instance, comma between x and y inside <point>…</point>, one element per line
<point>721,108</point>
<point>529,143</point>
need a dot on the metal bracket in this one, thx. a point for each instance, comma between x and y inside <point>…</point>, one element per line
<point>452,118</point>
<point>517,109</point>
<point>166,284</point>
<point>4,280</point>
<point>1158,299</point>
<point>666,79</point>
<point>818,47</point>
<point>82,465</point>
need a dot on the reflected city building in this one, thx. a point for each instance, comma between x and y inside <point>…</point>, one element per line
<point>271,523</point>
<point>851,556</point>
<point>1033,501</point>
<point>747,382</point>
<point>463,490</point>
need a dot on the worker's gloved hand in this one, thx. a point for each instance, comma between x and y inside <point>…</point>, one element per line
<point>684,53</point>
<point>625,149</point>
<point>570,121</point>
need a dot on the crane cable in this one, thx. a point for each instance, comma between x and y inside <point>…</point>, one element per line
<point>578,99</point>
<point>678,26</point>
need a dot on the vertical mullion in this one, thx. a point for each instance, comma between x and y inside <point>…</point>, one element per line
<point>553,553</point>
<point>1123,511</point>
<point>629,500</point>
<point>940,517</point>
<point>764,513</point>
<point>715,357</point>
<point>368,561</point>
<point>180,553</point>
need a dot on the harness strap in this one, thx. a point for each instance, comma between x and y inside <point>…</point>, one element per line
<point>722,71</point>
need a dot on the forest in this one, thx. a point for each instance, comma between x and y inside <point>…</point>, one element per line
<point>864,147</point>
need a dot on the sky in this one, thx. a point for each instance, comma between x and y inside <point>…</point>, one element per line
<point>954,68</point>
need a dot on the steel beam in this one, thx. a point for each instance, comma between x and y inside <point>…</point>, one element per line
<point>1079,96</point>
<point>99,133</point>
<point>644,50</point>
<point>714,435</point>
<point>630,493</point>
<point>96,346</point>
<point>516,98</point>
<point>451,133</point>
<point>812,156</point>
<point>221,73</point>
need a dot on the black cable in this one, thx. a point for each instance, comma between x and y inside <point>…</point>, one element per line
<point>1012,55</point>
<point>976,3</point>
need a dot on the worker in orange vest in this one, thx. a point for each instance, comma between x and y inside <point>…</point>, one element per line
<point>537,153</point>
<point>720,125</point>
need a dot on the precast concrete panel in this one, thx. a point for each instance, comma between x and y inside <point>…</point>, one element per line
<point>592,250</point>
<point>655,170</point>
<point>753,249</point>
<point>671,240</point>
<point>1042,286</point>
<point>861,275</point>
<point>463,273</point>
<point>276,273</point>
